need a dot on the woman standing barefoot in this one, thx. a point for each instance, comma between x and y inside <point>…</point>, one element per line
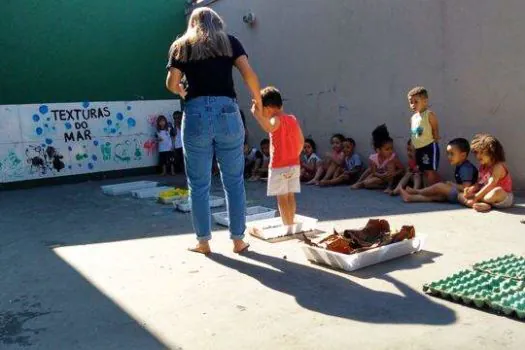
<point>205,55</point>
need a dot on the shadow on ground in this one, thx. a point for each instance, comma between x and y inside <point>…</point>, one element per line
<point>331,294</point>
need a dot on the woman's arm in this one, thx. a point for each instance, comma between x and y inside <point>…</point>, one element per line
<point>173,82</point>
<point>497,174</point>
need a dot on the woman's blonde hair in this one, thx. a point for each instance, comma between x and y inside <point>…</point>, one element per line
<point>204,38</point>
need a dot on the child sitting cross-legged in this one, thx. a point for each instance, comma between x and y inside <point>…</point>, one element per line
<point>465,175</point>
<point>331,163</point>
<point>494,187</point>
<point>252,158</point>
<point>260,168</point>
<point>412,173</point>
<point>352,168</point>
<point>384,165</point>
<point>309,160</point>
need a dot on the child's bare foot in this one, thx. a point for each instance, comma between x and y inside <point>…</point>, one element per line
<point>395,192</point>
<point>388,191</point>
<point>239,246</point>
<point>253,179</point>
<point>163,173</point>
<point>311,182</point>
<point>405,195</point>
<point>356,186</point>
<point>411,190</point>
<point>324,183</point>
<point>482,207</point>
<point>202,247</point>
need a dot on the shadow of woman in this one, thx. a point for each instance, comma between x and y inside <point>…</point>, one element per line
<point>334,295</point>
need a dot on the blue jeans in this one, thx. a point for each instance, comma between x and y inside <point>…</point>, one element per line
<point>213,125</point>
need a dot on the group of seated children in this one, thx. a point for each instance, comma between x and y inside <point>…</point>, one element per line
<point>482,190</point>
<point>169,141</point>
<point>490,187</point>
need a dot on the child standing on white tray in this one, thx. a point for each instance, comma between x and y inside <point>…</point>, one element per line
<point>286,144</point>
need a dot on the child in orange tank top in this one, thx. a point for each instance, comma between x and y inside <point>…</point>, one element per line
<point>286,144</point>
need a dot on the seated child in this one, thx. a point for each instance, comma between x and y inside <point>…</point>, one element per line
<point>309,160</point>
<point>384,165</point>
<point>352,166</point>
<point>494,187</point>
<point>412,173</point>
<point>251,156</point>
<point>333,161</point>
<point>465,175</point>
<point>260,169</point>
<point>287,142</point>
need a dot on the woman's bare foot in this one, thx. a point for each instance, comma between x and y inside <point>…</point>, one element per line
<point>411,190</point>
<point>203,247</point>
<point>481,207</point>
<point>240,246</point>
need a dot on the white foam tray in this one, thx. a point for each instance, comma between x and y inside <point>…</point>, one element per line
<point>252,214</point>
<point>127,187</point>
<point>352,262</point>
<point>273,228</point>
<point>184,205</point>
<point>152,192</point>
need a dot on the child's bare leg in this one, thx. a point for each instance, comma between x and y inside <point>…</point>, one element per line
<point>317,177</point>
<point>402,184</point>
<point>440,189</point>
<point>373,183</point>
<point>411,198</point>
<point>432,177</point>
<point>330,171</point>
<point>284,209</point>
<point>293,207</point>
<point>163,170</point>
<point>341,179</point>
<point>495,196</point>
<point>418,183</point>
<point>172,169</point>
<point>360,181</point>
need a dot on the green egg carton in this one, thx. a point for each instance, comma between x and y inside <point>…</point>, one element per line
<point>489,285</point>
<point>510,266</point>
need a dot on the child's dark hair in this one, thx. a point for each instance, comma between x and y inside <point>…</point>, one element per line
<point>461,144</point>
<point>176,114</point>
<point>311,143</point>
<point>351,140</point>
<point>271,97</point>
<point>418,91</point>
<point>265,142</point>
<point>381,137</point>
<point>166,126</point>
<point>409,142</point>
<point>490,145</point>
<point>340,137</point>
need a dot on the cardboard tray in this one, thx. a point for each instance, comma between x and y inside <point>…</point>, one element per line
<point>352,262</point>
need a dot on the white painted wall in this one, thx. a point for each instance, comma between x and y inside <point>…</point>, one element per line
<point>346,66</point>
<point>49,140</point>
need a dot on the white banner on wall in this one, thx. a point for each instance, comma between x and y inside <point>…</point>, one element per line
<point>49,140</point>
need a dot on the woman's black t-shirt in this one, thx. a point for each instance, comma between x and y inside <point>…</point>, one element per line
<point>212,76</point>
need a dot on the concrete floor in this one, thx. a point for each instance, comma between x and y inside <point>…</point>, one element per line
<point>81,270</point>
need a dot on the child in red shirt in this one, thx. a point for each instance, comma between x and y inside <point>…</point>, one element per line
<point>286,145</point>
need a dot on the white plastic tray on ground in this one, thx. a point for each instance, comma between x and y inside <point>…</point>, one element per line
<point>127,187</point>
<point>152,192</point>
<point>273,228</point>
<point>352,262</point>
<point>252,214</point>
<point>184,205</point>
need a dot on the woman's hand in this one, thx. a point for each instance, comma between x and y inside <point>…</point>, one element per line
<point>256,109</point>
<point>182,91</point>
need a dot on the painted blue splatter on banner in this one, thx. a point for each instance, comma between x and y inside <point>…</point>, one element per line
<point>94,157</point>
<point>131,122</point>
<point>69,148</point>
<point>43,109</point>
<point>49,141</point>
<point>129,108</point>
<point>68,125</point>
<point>120,116</point>
<point>113,130</point>
<point>36,117</point>
<point>95,143</point>
<point>109,121</point>
<point>39,131</point>
<point>90,166</point>
<point>85,104</point>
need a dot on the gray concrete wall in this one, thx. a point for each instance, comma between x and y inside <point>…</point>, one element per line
<point>346,65</point>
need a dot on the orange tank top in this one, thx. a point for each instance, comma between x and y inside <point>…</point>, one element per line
<point>284,143</point>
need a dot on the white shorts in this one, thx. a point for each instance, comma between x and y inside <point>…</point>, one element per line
<point>506,203</point>
<point>284,180</point>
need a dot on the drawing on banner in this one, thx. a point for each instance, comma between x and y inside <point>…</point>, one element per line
<point>43,159</point>
<point>57,139</point>
<point>11,166</point>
